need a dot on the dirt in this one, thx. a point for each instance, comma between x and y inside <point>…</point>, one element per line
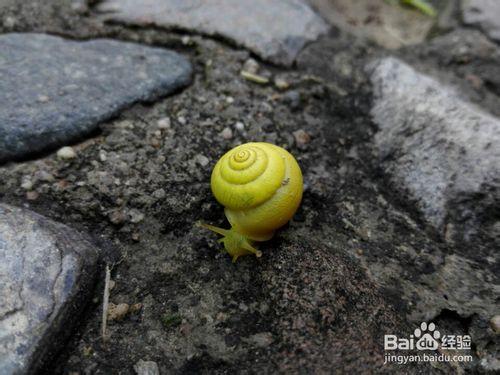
<point>311,304</point>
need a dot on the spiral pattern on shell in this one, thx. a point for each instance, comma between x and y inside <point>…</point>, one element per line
<point>247,175</point>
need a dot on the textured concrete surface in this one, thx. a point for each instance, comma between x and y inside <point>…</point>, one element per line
<point>55,91</point>
<point>46,270</point>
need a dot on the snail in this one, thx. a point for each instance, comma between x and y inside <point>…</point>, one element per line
<point>260,186</point>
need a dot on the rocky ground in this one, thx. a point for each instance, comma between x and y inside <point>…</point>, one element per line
<point>397,141</point>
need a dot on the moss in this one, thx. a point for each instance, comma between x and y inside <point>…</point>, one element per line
<point>170,320</point>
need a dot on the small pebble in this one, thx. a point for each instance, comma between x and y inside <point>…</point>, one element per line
<point>159,194</point>
<point>281,83</point>
<point>117,312</point>
<point>202,160</point>
<point>32,195</point>
<point>495,324</point>
<point>117,217</point>
<point>146,368</point>
<point>43,176</point>
<point>155,142</point>
<point>103,156</point>
<point>227,133</point>
<point>136,216</point>
<point>26,183</point>
<point>229,100</point>
<point>43,99</point>
<point>181,120</point>
<point>301,137</point>
<point>251,66</point>
<point>66,153</point>
<point>239,126</point>
<point>164,123</point>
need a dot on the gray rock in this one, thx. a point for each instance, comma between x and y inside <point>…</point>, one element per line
<point>146,368</point>
<point>439,149</point>
<point>46,271</point>
<point>275,30</point>
<point>387,24</point>
<point>484,14</point>
<point>54,91</point>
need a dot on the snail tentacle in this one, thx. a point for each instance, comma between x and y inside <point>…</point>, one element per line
<point>235,243</point>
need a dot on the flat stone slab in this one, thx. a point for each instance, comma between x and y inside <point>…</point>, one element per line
<point>484,14</point>
<point>46,271</point>
<point>440,150</point>
<point>55,91</point>
<point>275,30</point>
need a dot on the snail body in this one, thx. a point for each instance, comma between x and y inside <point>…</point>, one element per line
<point>260,186</point>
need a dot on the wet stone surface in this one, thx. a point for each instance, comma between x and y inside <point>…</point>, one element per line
<point>55,91</point>
<point>46,272</point>
<point>275,30</point>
